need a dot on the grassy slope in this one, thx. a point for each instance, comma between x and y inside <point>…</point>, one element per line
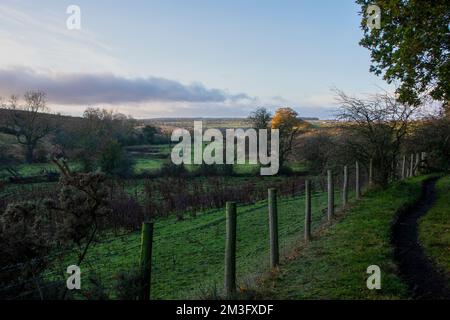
<point>434,227</point>
<point>334,265</point>
<point>188,255</point>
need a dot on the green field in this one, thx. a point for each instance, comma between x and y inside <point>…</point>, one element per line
<point>188,255</point>
<point>434,228</point>
<point>34,169</point>
<point>143,164</point>
<point>334,265</point>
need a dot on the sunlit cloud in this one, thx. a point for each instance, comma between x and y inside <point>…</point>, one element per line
<point>85,88</point>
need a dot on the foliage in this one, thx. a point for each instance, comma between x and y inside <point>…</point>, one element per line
<point>97,136</point>
<point>208,170</point>
<point>115,161</point>
<point>169,169</point>
<point>126,213</point>
<point>412,47</point>
<point>289,125</point>
<point>260,118</point>
<point>181,195</point>
<point>319,149</point>
<point>128,284</point>
<point>149,133</point>
<point>82,202</point>
<point>432,135</point>
<point>27,122</point>
<point>375,128</point>
<point>26,236</point>
<point>6,159</point>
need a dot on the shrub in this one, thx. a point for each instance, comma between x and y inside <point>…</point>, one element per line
<point>128,284</point>
<point>169,169</point>
<point>25,241</point>
<point>115,161</point>
<point>126,213</point>
<point>215,170</point>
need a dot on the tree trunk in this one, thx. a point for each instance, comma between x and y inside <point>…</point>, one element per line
<point>29,154</point>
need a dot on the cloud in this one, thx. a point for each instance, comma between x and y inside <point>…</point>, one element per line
<point>44,42</point>
<point>111,89</point>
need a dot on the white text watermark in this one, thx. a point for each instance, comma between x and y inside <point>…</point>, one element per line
<point>237,150</point>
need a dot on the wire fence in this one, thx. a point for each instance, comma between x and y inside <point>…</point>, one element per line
<point>188,255</point>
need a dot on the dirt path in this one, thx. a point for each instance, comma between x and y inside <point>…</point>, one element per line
<point>424,281</point>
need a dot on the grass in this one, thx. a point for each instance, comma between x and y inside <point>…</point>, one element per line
<point>25,191</point>
<point>434,228</point>
<point>33,169</point>
<point>333,266</point>
<point>188,255</point>
<point>149,164</point>
<point>143,164</point>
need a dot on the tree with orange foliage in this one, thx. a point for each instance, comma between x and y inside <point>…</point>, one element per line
<point>289,125</point>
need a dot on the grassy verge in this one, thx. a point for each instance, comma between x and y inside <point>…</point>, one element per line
<point>434,227</point>
<point>334,265</point>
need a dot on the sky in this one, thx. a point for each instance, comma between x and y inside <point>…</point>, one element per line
<point>178,58</point>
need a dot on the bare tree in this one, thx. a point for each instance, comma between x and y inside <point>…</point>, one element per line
<point>375,128</point>
<point>26,121</point>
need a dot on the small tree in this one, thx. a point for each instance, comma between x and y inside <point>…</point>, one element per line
<point>318,148</point>
<point>25,242</point>
<point>115,161</point>
<point>375,128</point>
<point>289,126</point>
<point>260,118</point>
<point>82,204</point>
<point>412,47</point>
<point>149,134</point>
<point>29,230</point>
<point>27,122</point>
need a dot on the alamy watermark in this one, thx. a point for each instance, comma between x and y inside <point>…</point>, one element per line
<point>73,22</point>
<point>74,280</point>
<point>373,17</point>
<point>374,280</point>
<point>235,146</point>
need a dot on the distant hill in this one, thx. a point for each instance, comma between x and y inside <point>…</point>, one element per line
<point>219,123</point>
<point>66,121</point>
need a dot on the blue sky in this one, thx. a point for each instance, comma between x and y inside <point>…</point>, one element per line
<point>185,58</point>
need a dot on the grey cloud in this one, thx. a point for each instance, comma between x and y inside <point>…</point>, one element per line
<point>108,88</point>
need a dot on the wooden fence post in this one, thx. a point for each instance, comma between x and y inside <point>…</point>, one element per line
<point>273,228</point>
<point>307,211</point>
<point>404,167</point>
<point>358,187</point>
<point>370,172</point>
<point>345,187</point>
<point>411,165</point>
<point>230,250</point>
<point>330,195</point>
<point>146,259</point>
